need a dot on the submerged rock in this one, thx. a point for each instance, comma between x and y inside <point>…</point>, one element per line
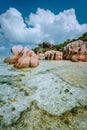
<point>53,55</point>
<point>76,51</point>
<point>23,58</point>
<point>53,96</point>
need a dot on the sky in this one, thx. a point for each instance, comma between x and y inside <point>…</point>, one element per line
<point>30,22</point>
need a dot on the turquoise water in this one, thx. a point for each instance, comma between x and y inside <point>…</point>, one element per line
<point>54,94</point>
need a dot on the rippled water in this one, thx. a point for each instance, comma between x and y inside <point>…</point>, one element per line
<point>52,96</point>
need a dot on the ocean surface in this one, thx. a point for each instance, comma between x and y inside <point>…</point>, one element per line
<point>52,96</point>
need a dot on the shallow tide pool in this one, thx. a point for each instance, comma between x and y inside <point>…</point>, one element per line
<point>52,96</point>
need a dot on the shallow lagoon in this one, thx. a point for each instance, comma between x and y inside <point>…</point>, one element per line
<point>52,96</point>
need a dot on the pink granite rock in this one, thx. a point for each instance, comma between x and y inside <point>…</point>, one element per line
<point>16,50</point>
<point>76,51</point>
<point>23,58</point>
<point>53,55</point>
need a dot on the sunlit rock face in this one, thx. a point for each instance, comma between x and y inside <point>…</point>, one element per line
<point>22,58</point>
<point>76,51</point>
<point>16,50</point>
<point>53,55</point>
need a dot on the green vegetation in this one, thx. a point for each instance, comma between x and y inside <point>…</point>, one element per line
<point>83,37</point>
<point>45,46</point>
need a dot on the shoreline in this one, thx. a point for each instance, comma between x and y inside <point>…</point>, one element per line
<point>53,87</point>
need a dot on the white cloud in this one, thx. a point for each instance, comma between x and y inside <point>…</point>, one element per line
<point>42,26</point>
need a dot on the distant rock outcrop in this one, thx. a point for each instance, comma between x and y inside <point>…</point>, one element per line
<point>22,58</point>
<point>47,45</point>
<point>53,55</point>
<point>76,51</point>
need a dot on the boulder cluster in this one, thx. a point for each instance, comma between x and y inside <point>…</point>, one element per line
<point>23,57</point>
<point>53,55</point>
<point>75,51</point>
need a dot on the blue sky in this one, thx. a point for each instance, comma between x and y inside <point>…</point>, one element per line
<point>29,22</point>
<point>27,6</point>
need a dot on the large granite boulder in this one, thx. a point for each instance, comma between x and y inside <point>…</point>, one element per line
<point>16,50</point>
<point>76,51</point>
<point>53,55</point>
<point>13,59</point>
<point>23,58</point>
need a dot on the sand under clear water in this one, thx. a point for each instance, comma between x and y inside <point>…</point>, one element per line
<point>52,96</point>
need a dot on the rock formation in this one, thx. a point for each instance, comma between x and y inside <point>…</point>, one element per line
<point>23,58</point>
<point>46,45</point>
<point>16,50</point>
<point>53,55</point>
<point>76,51</point>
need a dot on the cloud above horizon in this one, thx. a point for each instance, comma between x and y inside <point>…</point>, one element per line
<point>44,25</point>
